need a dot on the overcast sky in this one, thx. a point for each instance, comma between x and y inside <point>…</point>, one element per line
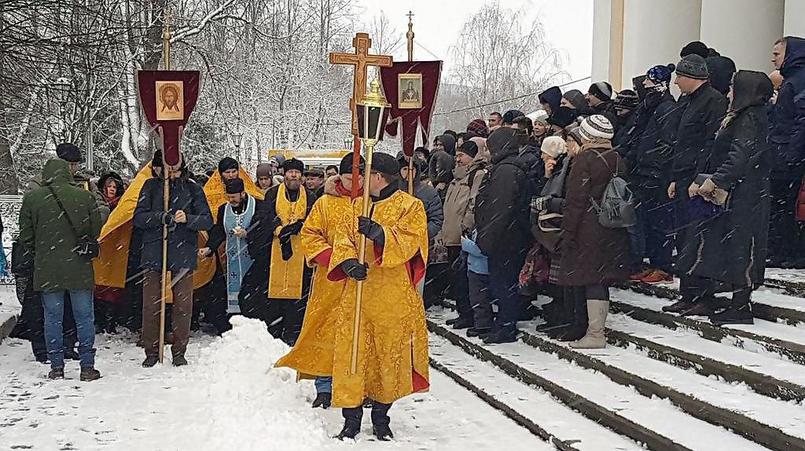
<point>568,25</point>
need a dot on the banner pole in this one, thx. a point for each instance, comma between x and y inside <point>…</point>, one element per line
<point>166,173</point>
<point>361,255</point>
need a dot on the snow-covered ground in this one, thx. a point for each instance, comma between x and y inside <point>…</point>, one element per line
<point>9,306</point>
<point>229,397</point>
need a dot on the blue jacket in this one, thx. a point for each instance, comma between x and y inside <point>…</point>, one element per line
<point>476,260</point>
<point>787,130</point>
<point>185,195</point>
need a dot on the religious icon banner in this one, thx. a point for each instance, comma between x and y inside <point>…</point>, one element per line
<point>411,89</point>
<point>167,98</point>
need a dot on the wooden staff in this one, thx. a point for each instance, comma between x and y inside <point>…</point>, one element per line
<point>166,173</point>
<point>367,205</point>
<point>411,175</point>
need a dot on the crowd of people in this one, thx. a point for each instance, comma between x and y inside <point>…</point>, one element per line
<point>588,191</point>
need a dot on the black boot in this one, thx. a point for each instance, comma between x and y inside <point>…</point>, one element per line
<point>578,328</point>
<point>463,323</point>
<point>733,315</point>
<point>501,336</point>
<point>56,373</point>
<point>381,421</point>
<point>150,361</point>
<point>323,400</point>
<point>352,423</point>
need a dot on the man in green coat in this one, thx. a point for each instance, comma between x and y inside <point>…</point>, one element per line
<point>50,233</point>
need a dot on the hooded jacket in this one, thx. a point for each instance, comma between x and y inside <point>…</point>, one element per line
<point>502,204</point>
<point>440,165</point>
<point>787,133</point>
<point>732,247</point>
<point>46,234</point>
<point>460,200</point>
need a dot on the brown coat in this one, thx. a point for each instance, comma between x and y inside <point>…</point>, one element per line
<point>459,202</point>
<point>591,254</point>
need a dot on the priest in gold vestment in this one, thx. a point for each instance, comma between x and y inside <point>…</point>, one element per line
<point>392,345</point>
<point>330,217</point>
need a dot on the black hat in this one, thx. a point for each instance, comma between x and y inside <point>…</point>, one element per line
<point>293,164</point>
<point>226,164</point>
<point>315,172</point>
<point>345,167</point>
<point>68,152</point>
<point>385,164</point>
<point>235,186</point>
<point>695,48</point>
<point>627,100</point>
<point>511,115</point>
<point>601,90</point>
<point>693,66</point>
<point>469,148</point>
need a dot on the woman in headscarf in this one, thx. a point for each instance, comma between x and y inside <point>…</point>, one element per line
<point>731,245</point>
<point>110,305</point>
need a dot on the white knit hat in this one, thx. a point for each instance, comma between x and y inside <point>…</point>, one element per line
<point>553,146</point>
<point>540,116</point>
<point>596,127</point>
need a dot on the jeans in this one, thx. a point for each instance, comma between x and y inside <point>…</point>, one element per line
<point>480,300</point>
<point>324,384</point>
<point>84,315</point>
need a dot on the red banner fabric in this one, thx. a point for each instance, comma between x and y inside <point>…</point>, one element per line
<point>167,98</point>
<point>424,93</point>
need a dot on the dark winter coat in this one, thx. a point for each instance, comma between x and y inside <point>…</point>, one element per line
<point>441,163</point>
<point>624,130</point>
<point>47,236</point>
<point>732,247</point>
<point>149,216</point>
<point>591,254</point>
<point>648,154</point>
<point>701,117</point>
<point>787,133</point>
<point>530,157</point>
<point>607,109</point>
<point>502,204</point>
<point>432,202</point>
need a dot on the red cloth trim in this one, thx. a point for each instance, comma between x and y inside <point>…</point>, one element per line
<point>323,258</point>
<point>378,253</point>
<point>109,294</point>
<point>420,383</point>
<point>343,192</point>
<point>337,274</point>
<point>416,268</point>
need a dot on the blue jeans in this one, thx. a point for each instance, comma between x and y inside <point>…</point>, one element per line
<point>324,384</point>
<point>85,324</point>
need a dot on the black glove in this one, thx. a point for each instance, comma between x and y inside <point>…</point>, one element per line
<point>354,269</point>
<point>286,248</point>
<point>371,230</point>
<point>291,229</point>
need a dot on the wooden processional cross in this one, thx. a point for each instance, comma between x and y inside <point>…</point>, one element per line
<point>361,59</point>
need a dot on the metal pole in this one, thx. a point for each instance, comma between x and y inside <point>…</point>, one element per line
<point>370,146</point>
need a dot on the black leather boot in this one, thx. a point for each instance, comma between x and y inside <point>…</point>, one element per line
<point>352,423</point>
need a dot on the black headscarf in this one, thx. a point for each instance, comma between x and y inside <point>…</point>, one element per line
<point>750,88</point>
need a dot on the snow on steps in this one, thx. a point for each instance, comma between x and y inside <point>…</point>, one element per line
<point>778,339</point>
<point>650,420</point>
<point>773,377</point>
<point>790,280</point>
<point>529,406</point>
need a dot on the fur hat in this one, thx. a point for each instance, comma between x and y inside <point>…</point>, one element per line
<point>293,164</point>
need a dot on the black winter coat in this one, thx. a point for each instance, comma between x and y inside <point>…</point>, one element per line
<point>149,217</point>
<point>787,133</point>
<point>732,247</point>
<point>649,151</point>
<point>502,205</point>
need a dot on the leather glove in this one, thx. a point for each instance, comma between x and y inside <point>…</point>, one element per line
<point>286,248</point>
<point>354,269</point>
<point>291,229</point>
<point>371,230</point>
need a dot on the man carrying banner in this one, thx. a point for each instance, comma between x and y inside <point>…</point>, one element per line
<point>188,214</point>
<point>391,351</point>
<point>276,287</point>
<point>331,216</point>
<point>231,229</point>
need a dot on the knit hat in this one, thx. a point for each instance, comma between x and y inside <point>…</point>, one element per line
<point>721,71</point>
<point>226,164</point>
<point>601,90</point>
<point>385,164</point>
<point>626,100</point>
<point>68,152</point>
<point>511,115</point>
<point>693,66</point>
<point>345,166</point>
<point>575,135</point>
<point>695,48</point>
<point>661,73</point>
<point>469,148</point>
<point>263,170</point>
<point>551,96</point>
<point>596,127</point>
<point>293,164</point>
<point>553,146</point>
<point>478,127</point>
<point>576,98</point>
<point>538,117</point>
<point>235,186</point>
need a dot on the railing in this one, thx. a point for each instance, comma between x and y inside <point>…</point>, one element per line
<point>9,212</point>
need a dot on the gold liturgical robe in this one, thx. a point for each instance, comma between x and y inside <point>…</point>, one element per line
<point>393,336</point>
<point>215,191</point>
<point>286,277</point>
<point>331,216</point>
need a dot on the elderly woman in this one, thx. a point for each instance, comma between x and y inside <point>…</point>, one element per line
<point>730,245</point>
<point>592,256</point>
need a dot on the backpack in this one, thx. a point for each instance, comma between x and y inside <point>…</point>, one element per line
<point>617,207</point>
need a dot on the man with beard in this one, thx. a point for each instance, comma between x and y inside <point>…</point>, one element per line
<point>313,353</point>
<point>391,350</point>
<point>276,287</point>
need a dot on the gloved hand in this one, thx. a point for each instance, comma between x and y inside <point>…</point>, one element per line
<point>371,230</point>
<point>541,203</point>
<point>707,189</point>
<point>354,269</point>
<point>291,229</point>
<point>286,248</point>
